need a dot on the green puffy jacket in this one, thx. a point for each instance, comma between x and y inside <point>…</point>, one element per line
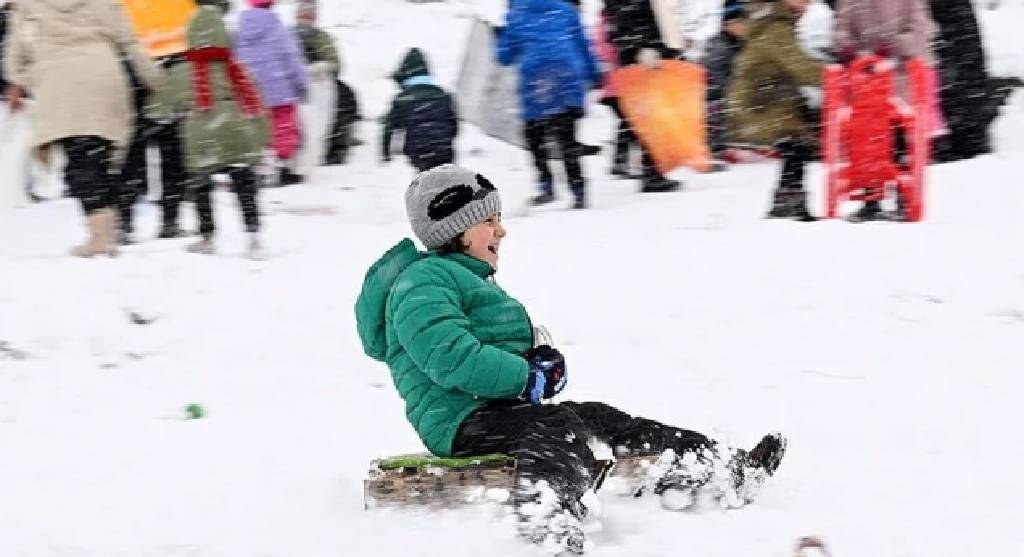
<point>452,338</point>
<point>222,136</point>
<point>764,100</point>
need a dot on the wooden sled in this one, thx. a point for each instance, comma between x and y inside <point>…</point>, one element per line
<point>424,480</point>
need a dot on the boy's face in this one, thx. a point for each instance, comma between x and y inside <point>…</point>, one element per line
<point>483,240</point>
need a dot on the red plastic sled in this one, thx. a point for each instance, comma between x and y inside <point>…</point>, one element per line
<point>860,117</point>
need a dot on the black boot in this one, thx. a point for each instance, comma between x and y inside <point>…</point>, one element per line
<point>289,178</point>
<point>871,210</point>
<point>656,183</point>
<point>790,203</point>
<point>546,195</point>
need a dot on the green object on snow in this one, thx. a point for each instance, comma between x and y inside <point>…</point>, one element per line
<point>424,460</point>
<point>194,411</point>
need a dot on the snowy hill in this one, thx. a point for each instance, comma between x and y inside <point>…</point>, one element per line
<point>890,354</point>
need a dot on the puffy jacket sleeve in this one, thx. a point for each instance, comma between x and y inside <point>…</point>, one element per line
<point>801,68</point>
<point>434,331</point>
<point>123,36</point>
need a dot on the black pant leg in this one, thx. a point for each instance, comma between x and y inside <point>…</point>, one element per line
<point>132,179</point>
<point>172,172</point>
<point>87,173</point>
<point>244,182</point>
<point>795,156</point>
<point>204,204</point>
<point>536,134</point>
<point>549,443</point>
<point>635,436</point>
<point>563,128</point>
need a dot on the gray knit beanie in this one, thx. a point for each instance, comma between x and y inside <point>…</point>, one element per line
<point>445,201</point>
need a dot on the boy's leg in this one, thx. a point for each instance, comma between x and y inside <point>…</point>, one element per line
<point>563,128</point>
<point>633,436</point>
<point>536,134</point>
<point>243,180</point>
<point>550,446</point>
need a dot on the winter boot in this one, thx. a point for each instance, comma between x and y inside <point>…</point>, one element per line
<point>750,470</point>
<point>586,150</point>
<point>205,246</point>
<point>656,183</point>
<point>102,225</point>
<point>871,210</point>
<point>170,231</point>
<point>790,203</point>
<point>288,178</point>
<point>546,195</point>
<point>547,521</point>
<point>678,478</point>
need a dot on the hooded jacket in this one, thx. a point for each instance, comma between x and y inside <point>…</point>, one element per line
<point>223,135</point>
<point>545,39</point>
<point>764,100</point>
<point>451,337</point>
<point>423,110</point>
<point>272,55</point>
<point>67,55</point>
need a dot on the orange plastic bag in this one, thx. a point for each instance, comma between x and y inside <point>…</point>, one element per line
<point>666,109</point>
<point>160,24</point>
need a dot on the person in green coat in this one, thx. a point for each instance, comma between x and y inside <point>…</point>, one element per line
<point>474,371</point>
<point>766,102</point>
<point>325,65</point>
<point>224,123</point>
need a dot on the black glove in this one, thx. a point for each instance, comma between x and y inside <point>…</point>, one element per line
<point>548,374</point>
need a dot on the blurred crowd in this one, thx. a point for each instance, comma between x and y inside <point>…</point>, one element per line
<point>224,103</point>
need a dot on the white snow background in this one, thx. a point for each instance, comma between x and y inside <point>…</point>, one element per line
<point>890,354</point>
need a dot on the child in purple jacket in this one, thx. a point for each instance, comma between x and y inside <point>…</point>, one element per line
<point>274,60</point>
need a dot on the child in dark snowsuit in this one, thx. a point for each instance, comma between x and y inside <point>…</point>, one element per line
<point>425,112</point>
<point>225,124</point>
<point>544,38</point>
<point>474,372</point>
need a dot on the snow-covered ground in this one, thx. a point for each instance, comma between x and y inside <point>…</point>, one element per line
<point>889,354</point>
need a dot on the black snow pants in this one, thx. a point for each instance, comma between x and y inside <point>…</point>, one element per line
<point>562,129</point>
<point>795,154</point>
<point>550,442</point>
<point>625,138</point>
<point>243,180</point>
<point>88,173</point>
<point>134,176</point>
<point>346,113</point>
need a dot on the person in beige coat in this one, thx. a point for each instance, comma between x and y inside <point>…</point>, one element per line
<point>66,54</point>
